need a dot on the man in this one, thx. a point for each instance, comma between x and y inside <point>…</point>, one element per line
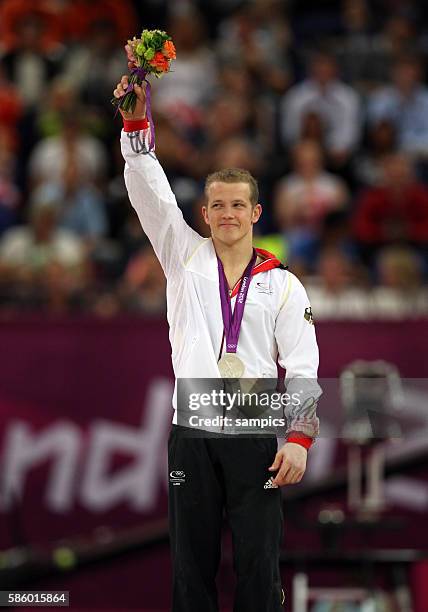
<point>396,211</point>
<point>210,472</point>
<point>405,104</point>
<point>336,104</point>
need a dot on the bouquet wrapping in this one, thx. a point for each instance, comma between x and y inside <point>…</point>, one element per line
<point>152,53</point>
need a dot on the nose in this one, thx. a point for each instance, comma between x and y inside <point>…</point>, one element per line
<point>227,213</point>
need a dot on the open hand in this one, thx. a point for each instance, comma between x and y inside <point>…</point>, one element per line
<point>290,461</point>
<point>140,106</point>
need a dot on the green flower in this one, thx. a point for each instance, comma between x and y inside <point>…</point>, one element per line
<point>140,49</point>
<point>147,36</point>
<point>149,54</point>
<point>157,40</point>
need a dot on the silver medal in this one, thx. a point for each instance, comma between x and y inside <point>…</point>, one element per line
<point>231,366</point>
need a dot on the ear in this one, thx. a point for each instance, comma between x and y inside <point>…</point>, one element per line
<point>257,211</point>
<point>205,214</point>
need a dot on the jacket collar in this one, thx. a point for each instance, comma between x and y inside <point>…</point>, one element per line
<point>203,262</point>
<point>270,261</point>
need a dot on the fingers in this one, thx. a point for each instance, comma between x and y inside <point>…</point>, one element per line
<point>121,87</point>
<point>282,477</point>
<point>277,462</point>
<point>139,92</point>
<point>288,475</point>
<point>290,461</point>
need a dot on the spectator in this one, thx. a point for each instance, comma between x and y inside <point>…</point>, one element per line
<point>235,77</point>
<point>336,232</point>
<point>336,104</point>
<point>395,212</point>
<point>80,205</point>
<point>398,36</point>
<point>360,50</point>
<point>22,16</point>
<point>184,164</point>
<point>40,262</point>
<point>313,128</point>
<point>10,112</point>
<point>228,116</point>
<point>336,291</point>
<point>51,155</point>
<point>405,103</point>
<point>92,66</point>
<point>41,242</point>
<point>176,152</point>
<point>368,164</point>
<point>79,17</point>
<point>261,36</point>
<point>194,77</point>
<point>223,105</point>
<point>10,196</point>
<point>237,153</point>
<point>61,101</point>
<point>304,198</point>
<point>400,293</point>
<point>29,65</point>
<point>144,283</point>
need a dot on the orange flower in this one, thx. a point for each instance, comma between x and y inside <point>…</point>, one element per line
<point>160,62</point>
<point>169,49</point>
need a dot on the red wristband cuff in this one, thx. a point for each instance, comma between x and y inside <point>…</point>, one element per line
<point>135,125</point>
<point>298,438</point>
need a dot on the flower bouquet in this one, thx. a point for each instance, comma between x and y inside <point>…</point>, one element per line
<point>150,54</point>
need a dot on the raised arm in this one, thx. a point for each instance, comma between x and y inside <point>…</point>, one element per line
<point>149,190</point>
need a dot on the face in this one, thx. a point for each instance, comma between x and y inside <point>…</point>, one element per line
<point>308,161</point>
<point>334,270</point>
<point>407,75</point>
<point>324,69</point>
<point>30,31</point>
<point>397,171</point>
<point>229,212</point>
<point>356,14</point>
<point>44,224</point>
<point>382,136</point>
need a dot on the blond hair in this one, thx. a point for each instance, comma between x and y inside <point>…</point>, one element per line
<point>234,175</point>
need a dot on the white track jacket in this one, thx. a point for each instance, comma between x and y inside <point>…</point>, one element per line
<point>277,323</point>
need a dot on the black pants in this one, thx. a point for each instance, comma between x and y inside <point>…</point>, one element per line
<point>209,473</point>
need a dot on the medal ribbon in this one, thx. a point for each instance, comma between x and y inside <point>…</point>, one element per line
<point>232,321</point>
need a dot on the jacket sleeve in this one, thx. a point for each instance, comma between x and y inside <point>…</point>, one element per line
<point>298,355</point>
<point>161,219</point>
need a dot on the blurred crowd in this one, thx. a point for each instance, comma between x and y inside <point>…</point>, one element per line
<point>326,103</point>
